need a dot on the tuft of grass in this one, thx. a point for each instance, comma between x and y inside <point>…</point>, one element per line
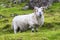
<point>49,31</point>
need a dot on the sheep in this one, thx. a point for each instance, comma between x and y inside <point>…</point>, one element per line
<point>23,22</point>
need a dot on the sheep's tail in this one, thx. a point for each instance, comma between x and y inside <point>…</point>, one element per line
<point>12,27</point>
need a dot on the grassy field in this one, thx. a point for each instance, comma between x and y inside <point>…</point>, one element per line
<point>49,31</point>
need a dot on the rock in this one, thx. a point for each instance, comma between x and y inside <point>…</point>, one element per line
<point>19,1</point>
<point>3,5</point>
<point>1,16</point>
<point>23,0</point>
<point>5,20</point>
<point>13,15</point>
<point>14,1</point>
<point>39,3</point>
<point>59,0</point>
<point>25,7</point>
<point>7,26</point>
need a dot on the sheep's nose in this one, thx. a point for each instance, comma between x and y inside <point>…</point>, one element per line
<point>40,13</point>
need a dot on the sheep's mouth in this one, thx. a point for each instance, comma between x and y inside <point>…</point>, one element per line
<point>39,15</point>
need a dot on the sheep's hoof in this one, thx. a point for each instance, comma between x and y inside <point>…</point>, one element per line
<point>32,31</point>
<point>36,31</point>
<point>21,31</point>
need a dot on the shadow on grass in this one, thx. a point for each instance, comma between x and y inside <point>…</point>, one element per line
<point>49,26</point>
<point>8,30</point>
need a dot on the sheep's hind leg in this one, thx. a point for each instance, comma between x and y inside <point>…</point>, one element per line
<point>21,29</point>
<point>15,29</point>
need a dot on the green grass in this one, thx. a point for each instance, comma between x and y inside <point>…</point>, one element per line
<point>49,31</point>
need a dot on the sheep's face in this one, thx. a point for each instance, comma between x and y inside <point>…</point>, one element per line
<point>38,11</point>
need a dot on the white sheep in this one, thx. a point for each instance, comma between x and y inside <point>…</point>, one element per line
<point>23,22</point>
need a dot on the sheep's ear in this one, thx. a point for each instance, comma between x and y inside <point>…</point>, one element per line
<point>42,8</point>
<point>35,9</point>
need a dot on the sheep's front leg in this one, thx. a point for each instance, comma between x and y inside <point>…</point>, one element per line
<point>32,29</point>
<point>36,28</point>
<point>31,25</point>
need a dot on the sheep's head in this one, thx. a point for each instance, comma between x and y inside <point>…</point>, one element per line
<point>38,11</point>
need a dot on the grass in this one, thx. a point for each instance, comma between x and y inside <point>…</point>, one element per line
<point>49,31</point>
